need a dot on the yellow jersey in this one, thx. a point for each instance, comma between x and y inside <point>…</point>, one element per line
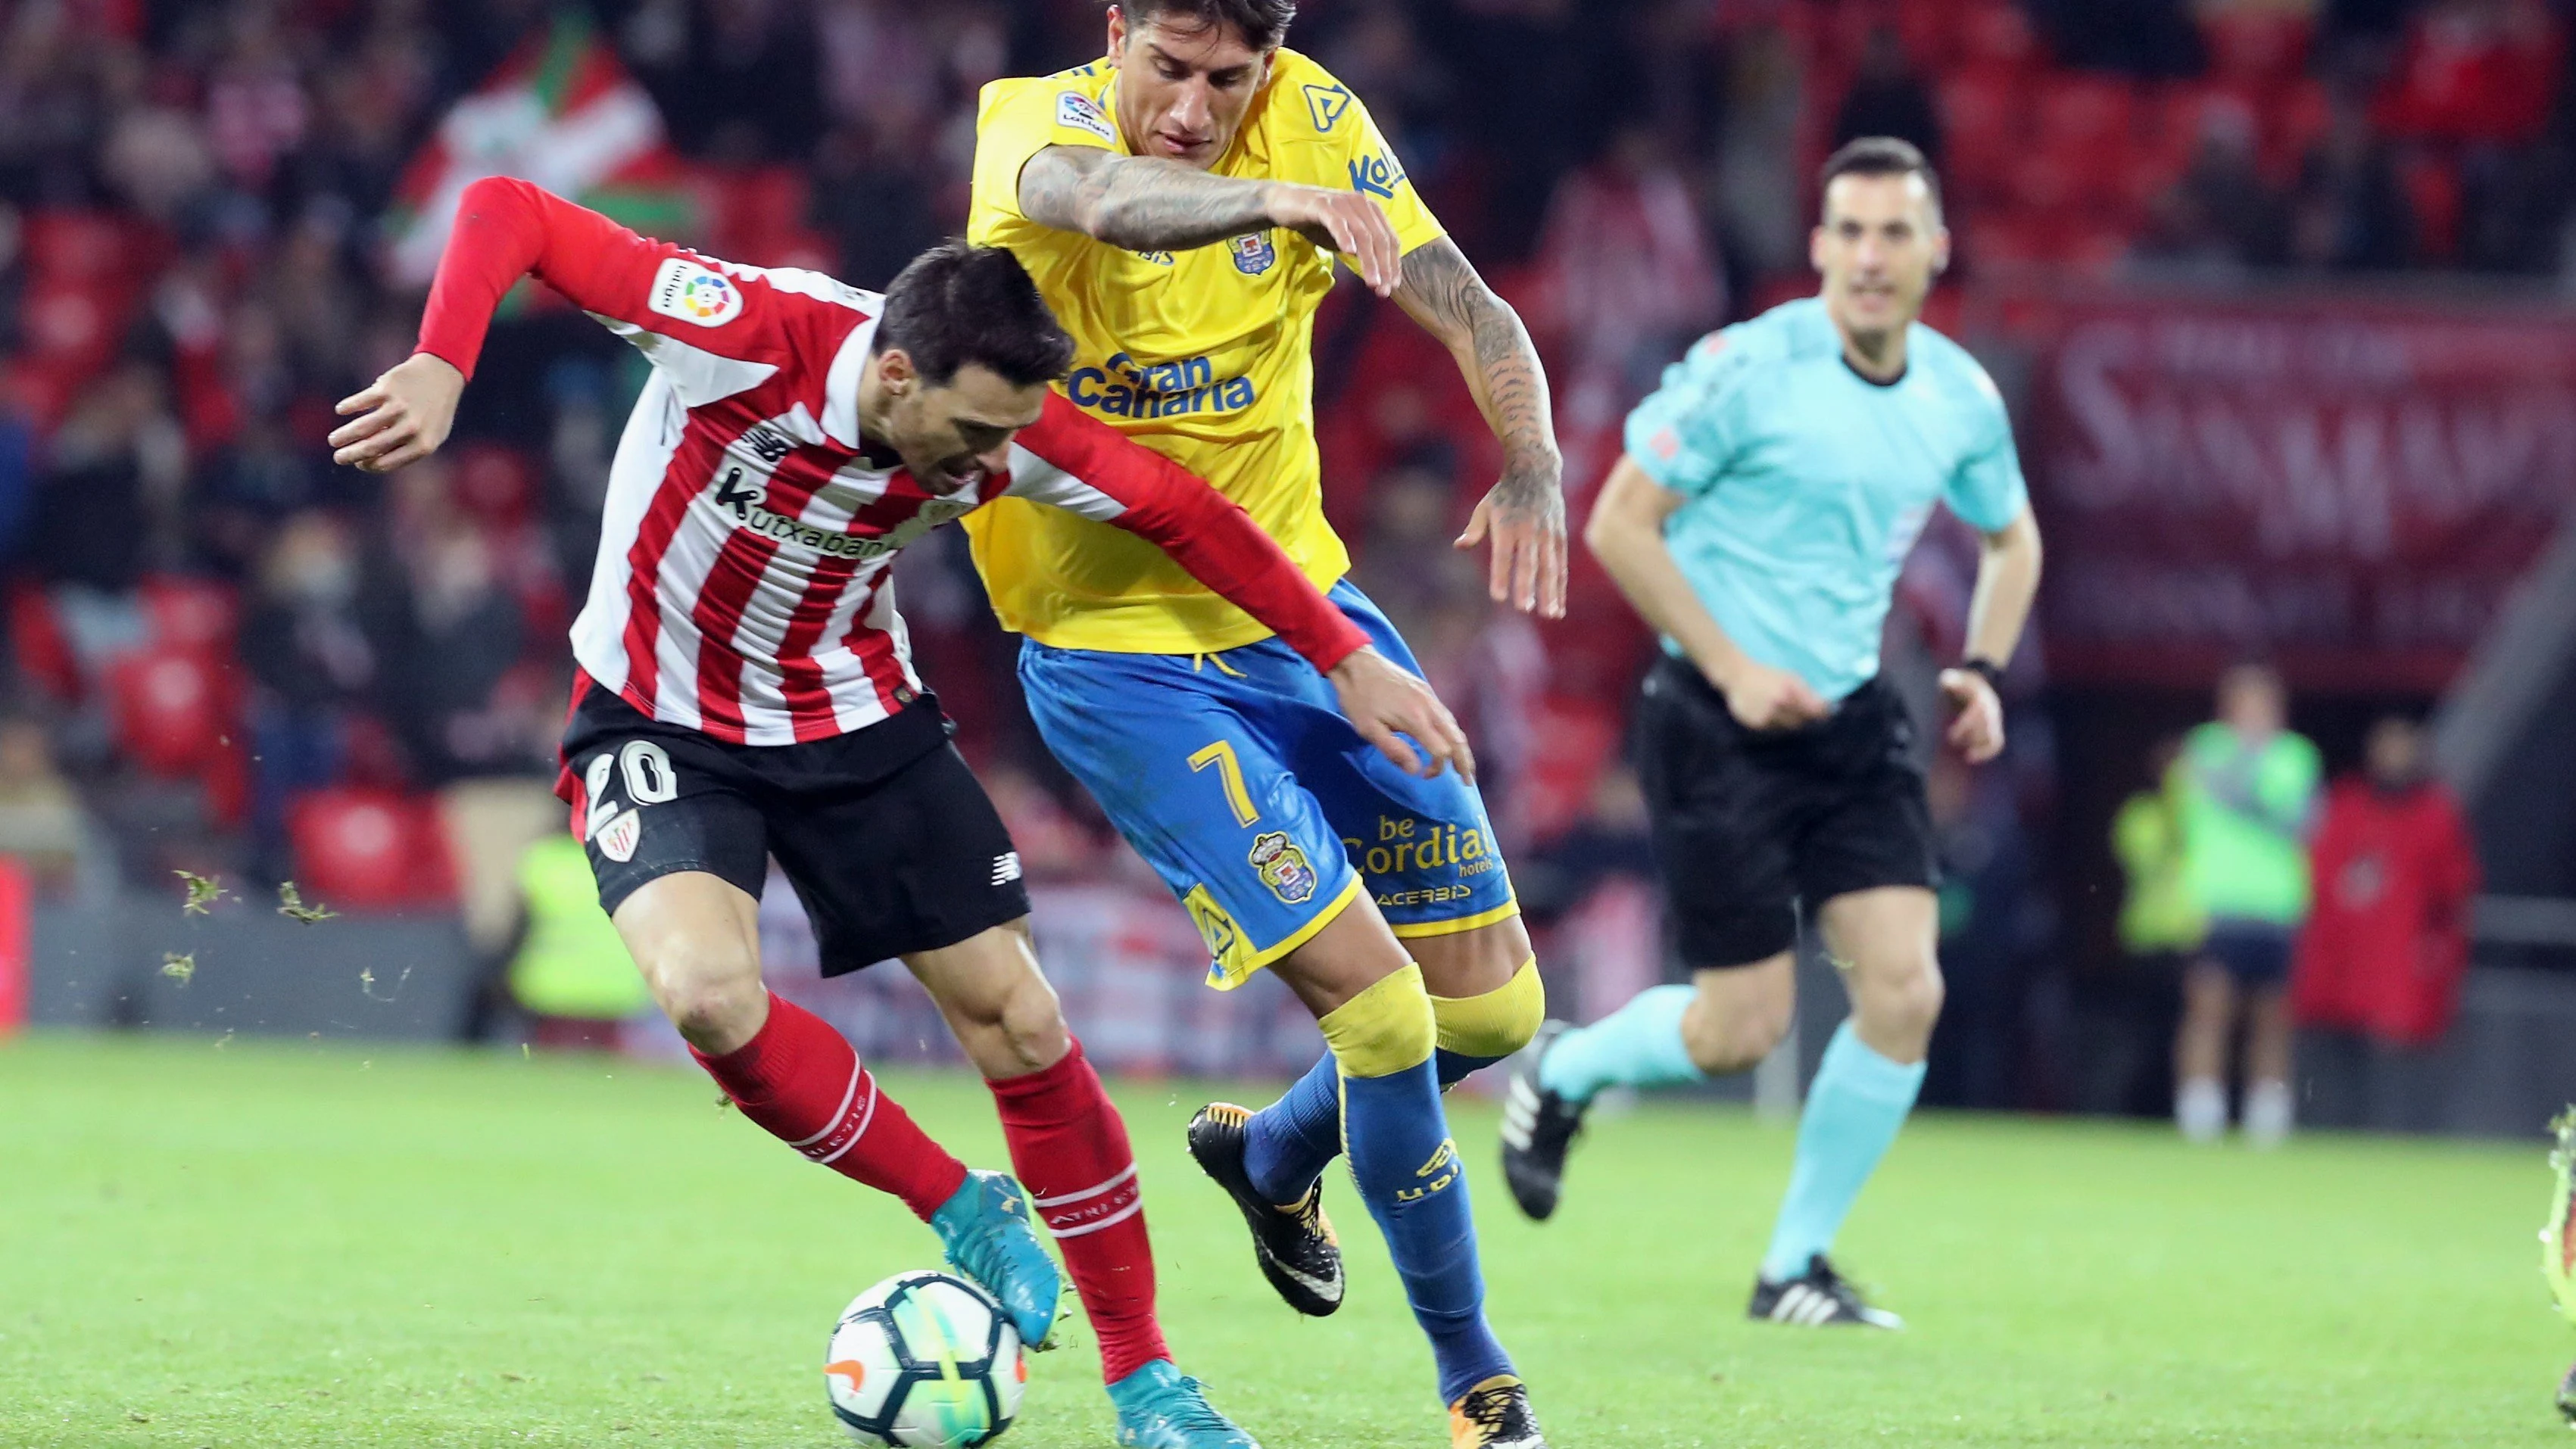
<point>1206,356</point>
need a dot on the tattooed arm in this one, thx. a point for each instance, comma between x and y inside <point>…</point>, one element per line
<point>1148,204</point>
<point>1525,512</point>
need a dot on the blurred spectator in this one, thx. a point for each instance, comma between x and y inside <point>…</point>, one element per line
<point>872,198</point>
<point>111,484</point>
<point>1408,89</point>
<point>1888,99</point>
<point>2140,37</point>
<point>1984,903</point>
<point>451,632</point>
<point>1630,280</point>
<point>1052,844</point>
<point>2380,961</point>
<point>42,823</point>
<point>2247,802</point>
<point>2222,215</point>
<point>739,83</point>
<point>564,965</point>
<point>2160,922</point>
<point>2161,928</point>
<point>2350,210</point>
<point>307,647</point>
<point>2475,71</point>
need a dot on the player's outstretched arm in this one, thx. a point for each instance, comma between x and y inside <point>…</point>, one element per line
<point>1149,204</point>
<point>1524,514</point>
<point>2007,581</point>
<point>1078,463</point>
<point>1626,532</point>
<point>507,229</point>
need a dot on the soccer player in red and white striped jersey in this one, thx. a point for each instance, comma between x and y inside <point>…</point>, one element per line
<point>747,691</point>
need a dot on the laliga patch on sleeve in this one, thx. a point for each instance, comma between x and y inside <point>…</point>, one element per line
<point>1073,108</point>
<point>685,290</point>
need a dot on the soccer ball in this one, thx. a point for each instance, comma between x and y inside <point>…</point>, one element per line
<point>925,1361</point>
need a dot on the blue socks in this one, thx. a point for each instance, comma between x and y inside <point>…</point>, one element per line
<point>1289,1143</point>
<point>1854,1109</point>
<point>1639,1045</point>
<point>1410,1176</point>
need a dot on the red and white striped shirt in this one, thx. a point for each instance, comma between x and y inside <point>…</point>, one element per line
<point>742,586</point>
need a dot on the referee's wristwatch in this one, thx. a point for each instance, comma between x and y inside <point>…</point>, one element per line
<point>1986,669</point>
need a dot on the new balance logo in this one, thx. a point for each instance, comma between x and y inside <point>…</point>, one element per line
<point>1006,867</point>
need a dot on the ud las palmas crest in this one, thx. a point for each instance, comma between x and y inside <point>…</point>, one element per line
<point>1252,253</point>
<point>1283,867</point>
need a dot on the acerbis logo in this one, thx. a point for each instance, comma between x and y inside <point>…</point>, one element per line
<point>1325,105</point>
<point>1377,175</point>
<point>685,290</point>
<point>1126,388</point>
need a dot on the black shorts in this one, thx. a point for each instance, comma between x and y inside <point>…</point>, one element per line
<point>1748,825</point>
<point>2255,953</point>
<point>889,840</point>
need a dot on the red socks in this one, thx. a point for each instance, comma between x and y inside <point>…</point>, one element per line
<point>802,1081</point>
<point>1070,1151</point>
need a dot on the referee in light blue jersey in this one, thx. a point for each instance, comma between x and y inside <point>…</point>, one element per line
<point>1769,494</point>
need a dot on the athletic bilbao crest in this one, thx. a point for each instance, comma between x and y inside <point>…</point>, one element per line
<point>1283,867</point>
<point>1253,253</point>
<point>619,837</point>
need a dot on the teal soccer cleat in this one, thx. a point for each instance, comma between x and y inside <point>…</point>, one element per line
<point>985,1228</point>
<point>1159,1407</point>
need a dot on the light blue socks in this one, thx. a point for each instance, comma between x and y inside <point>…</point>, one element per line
<point>1857,1103</point>
<point>1639,1045</point>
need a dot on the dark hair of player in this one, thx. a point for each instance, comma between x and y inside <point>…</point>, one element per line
<point>958,303</point>
<point>1261,23</point>
<point>1880,156</point>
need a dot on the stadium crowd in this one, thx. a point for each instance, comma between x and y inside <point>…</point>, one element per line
<point>226,655</point>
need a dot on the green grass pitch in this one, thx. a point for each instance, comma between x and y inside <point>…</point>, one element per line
<point>271,1245</point>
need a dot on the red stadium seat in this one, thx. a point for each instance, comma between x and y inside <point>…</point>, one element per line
<point>1997,33</point>
<point>1573,741</point>
<point>1933,36</point>
<point>2008,243</point>
<point>192,614</point>
<point>370,850</point>
<point>43,649</point>
<point>1979,121</point>
<point>2089,110</point>
<point>168,709</point>
<point>2295,117</point>
<point>2256,44</point>
<point>495,483</point>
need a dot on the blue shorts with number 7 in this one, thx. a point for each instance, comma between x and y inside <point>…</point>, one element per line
<point>1235,774</point>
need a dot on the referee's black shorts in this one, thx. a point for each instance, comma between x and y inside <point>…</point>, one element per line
<point>888,838</point>
<point>1748,825</point>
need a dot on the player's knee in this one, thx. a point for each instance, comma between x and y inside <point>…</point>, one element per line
<point>1904,999</point>
<point>715,1010</point>
<point>1496,1023</point>
<point>1386,1029</point>
<point>1029,1027</point>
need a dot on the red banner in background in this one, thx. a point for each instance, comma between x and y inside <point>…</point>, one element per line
<point>2348,488</point>
<point>16,929</point>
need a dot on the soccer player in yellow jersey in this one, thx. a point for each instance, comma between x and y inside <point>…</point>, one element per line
<point>1180,204</point>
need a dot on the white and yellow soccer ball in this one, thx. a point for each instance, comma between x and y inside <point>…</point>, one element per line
<point>925,1361</point>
